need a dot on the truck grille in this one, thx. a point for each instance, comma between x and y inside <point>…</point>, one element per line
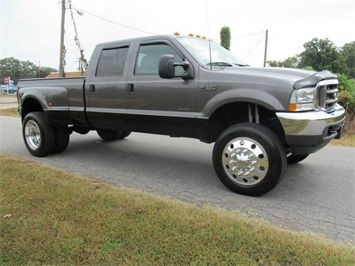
<point>327,95</point>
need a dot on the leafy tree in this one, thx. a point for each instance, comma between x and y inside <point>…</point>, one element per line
<point>322,54</point>
<point>225,35</point>
<point>45,71</point>
<point>291,62</point>
<point>348,53</point>
<point>17,69</point>
<point>10,67</point>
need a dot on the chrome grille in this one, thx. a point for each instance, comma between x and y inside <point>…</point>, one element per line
<point>327,94</point>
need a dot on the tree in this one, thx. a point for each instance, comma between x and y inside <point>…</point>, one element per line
<point>291,62</point>
<point>10,67</point>
<point>322,54</point>
<point>225,36</point>
<point>16,69</point>
<point>348,52</point>
<point>45,71</point>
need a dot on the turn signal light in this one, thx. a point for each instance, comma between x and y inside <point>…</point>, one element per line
<point>292,107</point>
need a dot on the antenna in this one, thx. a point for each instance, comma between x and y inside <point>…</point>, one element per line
<point>62,47</point>
<point>266,40</point>
<point>209,37</point>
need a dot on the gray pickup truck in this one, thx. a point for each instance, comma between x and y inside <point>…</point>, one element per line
<point>261,119</point>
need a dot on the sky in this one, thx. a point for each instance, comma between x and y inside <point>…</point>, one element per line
<point>30,29</point>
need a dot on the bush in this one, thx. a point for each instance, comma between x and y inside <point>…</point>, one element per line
<point>346,84</point>
<point>347,100</point>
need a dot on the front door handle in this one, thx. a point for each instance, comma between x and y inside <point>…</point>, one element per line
<point>130,89</point>
<point>92,89</point>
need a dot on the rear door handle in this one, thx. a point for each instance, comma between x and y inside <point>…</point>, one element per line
<point>130,89</point>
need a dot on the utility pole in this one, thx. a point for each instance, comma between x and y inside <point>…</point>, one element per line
<point>39,69</point>
<point>61,55</point>
<point>266,40</point>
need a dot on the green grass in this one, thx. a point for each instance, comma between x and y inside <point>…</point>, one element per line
<point>12,95</point>
<point>9,112</point>
<point>57,218</point>
<point>347,140</point>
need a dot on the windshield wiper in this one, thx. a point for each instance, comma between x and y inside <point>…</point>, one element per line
<point>241,65</point>
<point>221,64</point>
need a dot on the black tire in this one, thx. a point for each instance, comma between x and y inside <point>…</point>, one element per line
<point>62,136</point>
<point>249,159</point>
<point>293,159</point>
<point>126,134</point>
<point>111,135</point>
<point>39,137</point>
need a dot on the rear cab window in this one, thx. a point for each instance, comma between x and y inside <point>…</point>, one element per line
<point>112,62</point>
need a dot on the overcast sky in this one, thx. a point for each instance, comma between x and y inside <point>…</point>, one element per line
<point>30,29</point>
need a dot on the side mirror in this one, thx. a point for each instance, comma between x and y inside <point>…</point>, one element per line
<point>167,68</point>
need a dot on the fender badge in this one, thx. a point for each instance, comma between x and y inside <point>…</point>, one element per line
<point>209,87</point>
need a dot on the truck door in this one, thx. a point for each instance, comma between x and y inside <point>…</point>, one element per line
<point>105,90</point>
<point>154,104</point>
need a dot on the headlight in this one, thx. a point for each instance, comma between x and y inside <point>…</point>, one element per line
<point>302,99</point>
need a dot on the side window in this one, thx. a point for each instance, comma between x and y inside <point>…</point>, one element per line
<point>149,56</point>
<point>111,62</point>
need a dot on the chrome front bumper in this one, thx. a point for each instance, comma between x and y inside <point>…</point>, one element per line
<point>314,128</point>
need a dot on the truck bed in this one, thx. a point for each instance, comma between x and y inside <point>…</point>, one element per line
<point>61,98</point>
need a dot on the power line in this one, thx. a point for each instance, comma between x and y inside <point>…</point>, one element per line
<point>254,47</point>
<point>83,62</point>
<point>111,21</point>
<point>248,35</point>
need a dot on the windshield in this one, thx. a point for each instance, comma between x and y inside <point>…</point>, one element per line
<point>199,49</point>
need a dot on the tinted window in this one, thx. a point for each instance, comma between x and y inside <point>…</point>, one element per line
<point>111,62</point>
<point>149,57</point>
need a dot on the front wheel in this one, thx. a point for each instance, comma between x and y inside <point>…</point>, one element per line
<point>39,137</point>
<point>110,135</point>
<point>249,159</point>
<point>293,159</point>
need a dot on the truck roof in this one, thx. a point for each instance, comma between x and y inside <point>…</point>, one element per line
<point>148,38</point>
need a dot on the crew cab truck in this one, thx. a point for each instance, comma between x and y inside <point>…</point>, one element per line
<point>261,119</point>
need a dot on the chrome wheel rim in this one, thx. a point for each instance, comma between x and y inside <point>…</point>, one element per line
<point>32,135</point>
<point>245,161</point>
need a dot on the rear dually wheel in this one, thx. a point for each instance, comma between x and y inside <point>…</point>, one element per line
<point>39,137</point>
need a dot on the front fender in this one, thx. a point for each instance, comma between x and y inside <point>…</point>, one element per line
<point>261,98</point>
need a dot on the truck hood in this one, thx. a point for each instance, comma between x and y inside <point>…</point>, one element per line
<point>278,72</point>
<point>296,78</point>
<point>269,87</point>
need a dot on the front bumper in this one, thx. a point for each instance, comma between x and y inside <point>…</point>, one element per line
<point>307,132</point>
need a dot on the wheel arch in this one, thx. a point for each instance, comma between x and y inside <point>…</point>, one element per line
<point>241,112</point>
<point>29,105</point>
<point>262,98</point>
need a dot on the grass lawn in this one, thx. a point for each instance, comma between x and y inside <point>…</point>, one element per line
<point>9,112</point>
<point>7,95</point>
<point>52,217</point>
